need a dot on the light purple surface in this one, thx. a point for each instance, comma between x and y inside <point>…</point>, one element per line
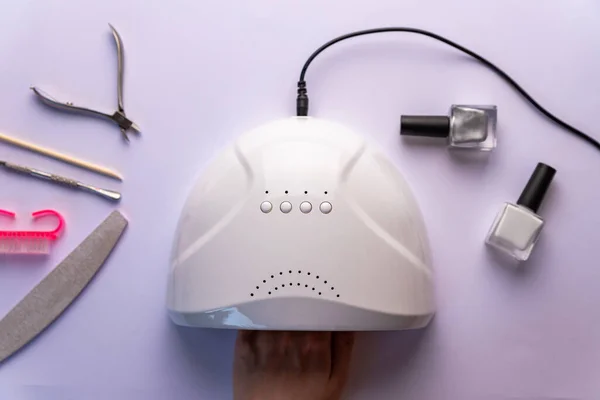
<point>200,73</point>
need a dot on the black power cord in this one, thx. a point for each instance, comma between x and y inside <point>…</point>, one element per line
<point>302,99</point>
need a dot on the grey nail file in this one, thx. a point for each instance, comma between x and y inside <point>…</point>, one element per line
<point>46,302</point>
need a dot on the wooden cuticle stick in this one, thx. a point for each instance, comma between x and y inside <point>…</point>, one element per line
<point>60,157</point>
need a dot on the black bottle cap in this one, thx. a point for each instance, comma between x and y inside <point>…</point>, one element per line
<point>425,126</point>
<point>536,188</point>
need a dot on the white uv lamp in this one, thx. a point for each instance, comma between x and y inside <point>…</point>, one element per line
<point>301,225</point>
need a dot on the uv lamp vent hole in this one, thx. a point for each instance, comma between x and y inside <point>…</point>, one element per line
<point>319,287</point>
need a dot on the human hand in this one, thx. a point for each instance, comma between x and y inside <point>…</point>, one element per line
<point>271,365</point>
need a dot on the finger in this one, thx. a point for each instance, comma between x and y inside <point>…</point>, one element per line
<point>245,341</point>
<point>318,339</point>
<point>300,348</point>
<point>317,351</point>
<point>245,348</point>
<point>286,350</point>
<point>244,338</point>
<point>283,341</point>
<point>269,349</point>
<point>341,346</point>
<point>291,349</point>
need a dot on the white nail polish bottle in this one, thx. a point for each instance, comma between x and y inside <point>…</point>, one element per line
<point>517,227</point>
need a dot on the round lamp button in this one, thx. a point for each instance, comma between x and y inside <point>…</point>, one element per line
<point>325,207</point>
<point>285,207</point>
<point>266,207</point>
<point>305,207</point>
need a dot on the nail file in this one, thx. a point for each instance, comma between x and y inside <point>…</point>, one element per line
<point>46,302</point>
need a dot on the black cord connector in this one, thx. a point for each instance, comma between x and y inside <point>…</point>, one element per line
<point>302,99</point>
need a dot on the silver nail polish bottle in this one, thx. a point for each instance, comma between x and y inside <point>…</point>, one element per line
<point>467,127</point>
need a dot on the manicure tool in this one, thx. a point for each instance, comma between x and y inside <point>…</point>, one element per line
<point>108,194</point>
<point>60,157</point>
<point>119,116</point>
<point>49,299</point>
<point>30,242</point>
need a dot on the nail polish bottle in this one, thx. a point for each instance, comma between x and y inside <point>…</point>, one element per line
<point>517,227</point>
<point>467,127</point>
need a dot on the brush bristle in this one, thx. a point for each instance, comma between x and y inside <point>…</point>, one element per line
<point>24,246</point>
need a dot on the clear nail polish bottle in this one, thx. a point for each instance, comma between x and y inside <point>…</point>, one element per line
<point>467,127</point>
<point>517,227</point>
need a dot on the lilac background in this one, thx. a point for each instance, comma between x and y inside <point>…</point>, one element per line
<point>200,73</point>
